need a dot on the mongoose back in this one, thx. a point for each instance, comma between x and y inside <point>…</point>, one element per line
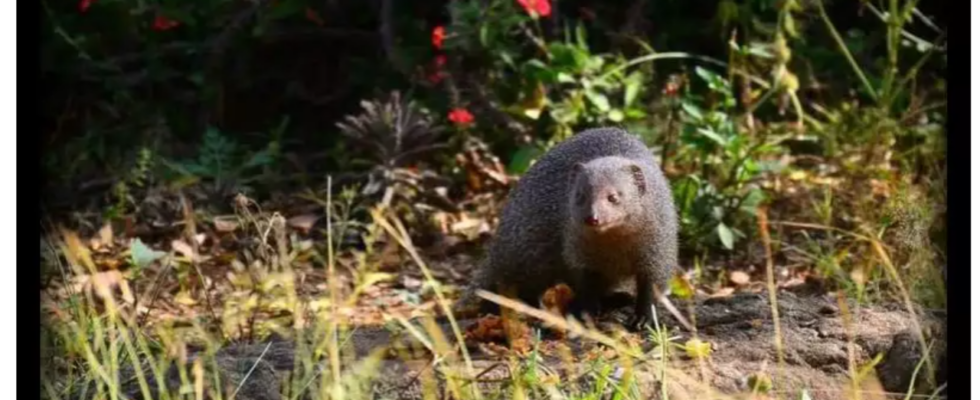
<point>593,212</point>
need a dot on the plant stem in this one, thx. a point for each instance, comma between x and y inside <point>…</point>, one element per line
<point>847,53</point>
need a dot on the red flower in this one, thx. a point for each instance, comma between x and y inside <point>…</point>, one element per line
<point>312,16</point>
<point>438,36</point>
<point>435,71</point>
<point>460,116</point>
<point>539,7</point>
<point>161,23</point>
<point>84,5</point>
<point>436,77</point>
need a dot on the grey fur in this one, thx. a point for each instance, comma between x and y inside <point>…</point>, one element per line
<point>543,240</point>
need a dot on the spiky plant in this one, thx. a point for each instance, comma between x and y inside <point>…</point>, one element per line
<point>394,132</point>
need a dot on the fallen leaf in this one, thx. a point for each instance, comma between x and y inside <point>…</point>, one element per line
<point>723,292</point>
<point>225,224</point>
<point>466,223</point>
<point>105,235</point>
<point>142,255</point>
<point>557,298</point>
<point>739,278</point>
<point>184,298</point>
<point>486,330</point>
<point>857,275</point>
<point>303,222</point>
<point>109,263</point>
<point>411,283</point>
<point>103,283</point>
<point>184,249</point>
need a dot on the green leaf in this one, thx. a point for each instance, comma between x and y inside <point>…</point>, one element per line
<point>760,50</point>
<point>285,9</point>
<point>716,83</point>
<point>789,26</point>
<point>260,158</point>
<point>714,136</point>
<point>597,99</point>
<point>142,255</point>
<point>522,159</point>
<point>615,115</point>
<point>484,35</point>
<point>580,37</point>
<point>635,113</point>
<point>752,201</point>
<point>805,395</point>
<point>565,78</point>
<point>693,110</point>
<point>726,236</point>
<point>508,59</point>
<point>633,84</point>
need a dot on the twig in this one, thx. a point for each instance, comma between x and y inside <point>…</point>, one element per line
<point>190,233</point>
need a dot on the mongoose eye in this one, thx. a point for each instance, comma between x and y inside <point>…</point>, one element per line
<point>613,198</point>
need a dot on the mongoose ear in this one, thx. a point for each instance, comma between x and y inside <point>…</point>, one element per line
<point>577,169</point>
<point>637,173</point>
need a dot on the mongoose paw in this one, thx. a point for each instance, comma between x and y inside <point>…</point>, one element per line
<point>639,322</point>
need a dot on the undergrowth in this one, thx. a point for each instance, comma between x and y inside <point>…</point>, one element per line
<point>821,140</point>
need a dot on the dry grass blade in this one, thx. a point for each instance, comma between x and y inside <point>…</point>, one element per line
<point>398,233</point>
<point>569,325</point>
<point>250,370</point>
<point>919,333</point>
<point>771,283</point>
<point>333,349</point>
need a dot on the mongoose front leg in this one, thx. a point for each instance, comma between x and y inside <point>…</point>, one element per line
<point>587,292</point>
<point>643,313</point>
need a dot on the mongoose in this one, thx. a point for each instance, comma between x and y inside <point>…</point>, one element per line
<point>594,212</point>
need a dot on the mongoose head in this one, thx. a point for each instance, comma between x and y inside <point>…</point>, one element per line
<point>605,193</point>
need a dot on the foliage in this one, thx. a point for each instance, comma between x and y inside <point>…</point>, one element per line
<point>561,84</point>
<point>831,119</point>
<point>221,160</point>
<point>394,133</point>
<point>721,199</point>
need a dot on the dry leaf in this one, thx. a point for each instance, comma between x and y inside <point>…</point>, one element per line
<point>184,298</point>
<point>303,222</point>
<point>739,278</point>
<point>103,283</point>
<point>409,282</point>
<point>557,298</point>
<point>110,263</point>
<point>105,235</point>
<point>185,250</point>
<point>723,292</point>
<point>225,224</point>
<point>857,275</point>
<point>465,223</point>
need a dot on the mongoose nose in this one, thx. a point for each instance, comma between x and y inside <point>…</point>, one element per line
<point>591,220</point>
